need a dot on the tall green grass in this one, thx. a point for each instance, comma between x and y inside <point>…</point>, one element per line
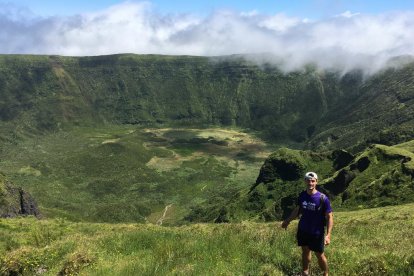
<point>367,242</point>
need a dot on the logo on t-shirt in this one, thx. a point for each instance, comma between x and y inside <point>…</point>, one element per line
<point>308,206</point>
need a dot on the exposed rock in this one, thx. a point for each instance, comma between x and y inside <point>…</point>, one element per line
<point>361,165</point>
<point>341,158</point>
<point>14,201</point>
<point>284,164</point>
<point>340,183</point>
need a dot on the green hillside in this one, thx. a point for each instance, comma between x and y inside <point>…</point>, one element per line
<point>118,173</point>
<point>126,155</point>
<point>178,139</point>
<point>366,242</point>
<point>312,107</point>
<point>378,176</point>
<point>382,113</point>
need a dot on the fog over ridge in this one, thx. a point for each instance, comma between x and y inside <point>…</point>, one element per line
<point>346,41</point>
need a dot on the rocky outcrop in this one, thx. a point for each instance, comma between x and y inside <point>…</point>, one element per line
<point>14,201</point>
<point>285,164</point>
<point>339,183</point>
<point>341,158</point>
<point>361,164</point>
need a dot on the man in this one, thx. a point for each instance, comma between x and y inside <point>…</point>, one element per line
<point>315,209</point>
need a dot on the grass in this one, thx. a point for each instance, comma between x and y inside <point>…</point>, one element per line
<point>386,181</point>
<point>366,242</point>
<point>128,173</point>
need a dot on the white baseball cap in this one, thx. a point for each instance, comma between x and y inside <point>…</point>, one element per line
<point>310,175</point>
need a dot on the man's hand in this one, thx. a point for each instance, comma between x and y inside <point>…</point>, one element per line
<point>327,239</point>
<point>285,224</point>
<point>329,219</point>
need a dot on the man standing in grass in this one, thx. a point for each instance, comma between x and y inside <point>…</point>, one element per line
<point>316,211</point>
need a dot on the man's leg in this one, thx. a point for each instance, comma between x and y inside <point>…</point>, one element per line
<point>306,259</point>
<point>323,262</point>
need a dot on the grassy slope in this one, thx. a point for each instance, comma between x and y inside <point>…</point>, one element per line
<point>130,174</point>
<point>378,176</point>
<point>366,242</point>
<point>388,180</point>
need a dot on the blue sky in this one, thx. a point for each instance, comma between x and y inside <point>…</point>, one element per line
<point>345,34</point>
<point>313,9</point>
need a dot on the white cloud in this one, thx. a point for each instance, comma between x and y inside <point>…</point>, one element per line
<point>280,22</point>
<point>250,13</point>
<point>347,14</point>
<point>346,41</point>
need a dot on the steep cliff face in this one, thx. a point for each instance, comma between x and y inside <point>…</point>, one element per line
<point>315,108</point>
<point>149,89</point>
<point>15,201</point>
<point>382,113</point>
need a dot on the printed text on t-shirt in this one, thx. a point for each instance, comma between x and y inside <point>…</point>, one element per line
<point>308,206</point>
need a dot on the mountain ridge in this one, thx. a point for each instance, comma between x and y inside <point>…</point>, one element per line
<point>47,92</point>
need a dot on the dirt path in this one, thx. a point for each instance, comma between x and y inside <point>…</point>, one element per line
<point>160,220</point>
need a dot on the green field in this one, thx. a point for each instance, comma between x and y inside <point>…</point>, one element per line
<point>367,242</point>
<point>130,174</point>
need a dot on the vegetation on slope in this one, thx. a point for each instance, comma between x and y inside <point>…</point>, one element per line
<point>64,125</point>
<point>379,176</point>
<point>382,113</point>
<point>113,139</point>
<point>313,108</point>
<point>366,242</point>
<point>130,174</point>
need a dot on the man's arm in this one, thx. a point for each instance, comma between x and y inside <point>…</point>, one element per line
<point>329,219</point>
<point>294,214</point>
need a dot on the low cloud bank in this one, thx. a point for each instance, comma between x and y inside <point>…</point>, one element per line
<point>345,41</point>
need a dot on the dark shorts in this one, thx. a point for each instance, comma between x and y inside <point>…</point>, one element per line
<point>314,242</point>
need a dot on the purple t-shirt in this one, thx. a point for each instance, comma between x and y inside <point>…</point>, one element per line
<point>312,219</point>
